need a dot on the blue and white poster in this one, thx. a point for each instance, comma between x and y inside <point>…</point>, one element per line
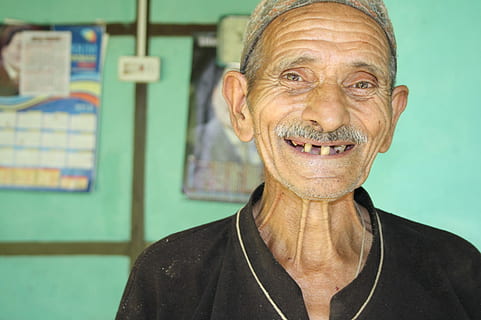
<point>48,124</point>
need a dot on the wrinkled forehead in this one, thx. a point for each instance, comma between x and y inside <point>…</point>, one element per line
<point>327,21</point>
<point>313,33</point>
<point>270,10</point>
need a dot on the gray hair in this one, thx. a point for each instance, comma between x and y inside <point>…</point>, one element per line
<point>303,130</point>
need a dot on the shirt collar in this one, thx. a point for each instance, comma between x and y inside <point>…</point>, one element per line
<point>278,284</point>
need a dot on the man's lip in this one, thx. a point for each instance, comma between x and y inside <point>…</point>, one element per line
<point>321,149</point>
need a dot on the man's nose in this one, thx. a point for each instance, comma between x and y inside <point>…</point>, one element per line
<point>327,107</point>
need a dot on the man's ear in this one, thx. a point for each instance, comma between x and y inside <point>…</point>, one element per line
<point>399,100</point>
<point>234,90</point>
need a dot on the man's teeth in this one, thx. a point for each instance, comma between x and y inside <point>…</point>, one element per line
<point>325,150</point>
<point>307,147</point>
<point>339,149</point>
<point>321,150</point>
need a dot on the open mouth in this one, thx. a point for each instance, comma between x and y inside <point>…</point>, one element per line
<point>322,150</point>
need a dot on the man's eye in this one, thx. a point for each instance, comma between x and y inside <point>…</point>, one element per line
<point>291,76</point>
<point>363,85</point>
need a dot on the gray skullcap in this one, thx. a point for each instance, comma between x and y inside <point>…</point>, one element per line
<point>268,10</point>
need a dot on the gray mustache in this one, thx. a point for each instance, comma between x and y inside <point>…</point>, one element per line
<point>302,130</point>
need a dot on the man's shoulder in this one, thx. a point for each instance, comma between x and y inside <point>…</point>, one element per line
<point>436,258</point>
<point>188,247</point>
<point>427,240</point>
<point>189,259</point>
<point>205,232</point>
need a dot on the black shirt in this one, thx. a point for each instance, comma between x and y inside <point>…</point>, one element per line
<point>223,270</point>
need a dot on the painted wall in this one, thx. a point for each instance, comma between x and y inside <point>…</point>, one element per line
<point>430,174</point>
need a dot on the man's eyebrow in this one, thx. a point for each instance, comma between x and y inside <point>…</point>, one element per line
<point>375,70</point>
<point>291,63</point>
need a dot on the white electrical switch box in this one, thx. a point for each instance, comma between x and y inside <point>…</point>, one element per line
<point>139,69</point>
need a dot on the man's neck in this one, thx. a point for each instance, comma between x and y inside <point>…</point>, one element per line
<point>311,236</point>
<point>319,243</point>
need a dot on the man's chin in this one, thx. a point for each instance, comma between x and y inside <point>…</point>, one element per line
<point>325,196</point>
<point>315,194</point>
<point>316,189</point>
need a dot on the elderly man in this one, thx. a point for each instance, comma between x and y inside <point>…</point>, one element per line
<point>316,92</point>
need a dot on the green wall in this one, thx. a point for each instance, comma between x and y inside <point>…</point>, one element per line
<point>430,174</point>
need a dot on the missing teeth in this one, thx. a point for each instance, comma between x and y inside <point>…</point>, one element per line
<point>339,149</point>
<point>320,150</point>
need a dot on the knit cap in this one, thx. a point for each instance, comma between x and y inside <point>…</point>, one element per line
<point>268,10</point>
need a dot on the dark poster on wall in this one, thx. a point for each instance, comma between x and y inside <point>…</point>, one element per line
<point>218,166</point>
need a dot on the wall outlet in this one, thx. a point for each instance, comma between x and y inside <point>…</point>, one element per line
<point>139,69</point>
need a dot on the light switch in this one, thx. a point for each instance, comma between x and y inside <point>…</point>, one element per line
<point>139,69</point>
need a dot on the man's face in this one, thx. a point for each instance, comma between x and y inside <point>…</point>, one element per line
<point>324,67</point>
